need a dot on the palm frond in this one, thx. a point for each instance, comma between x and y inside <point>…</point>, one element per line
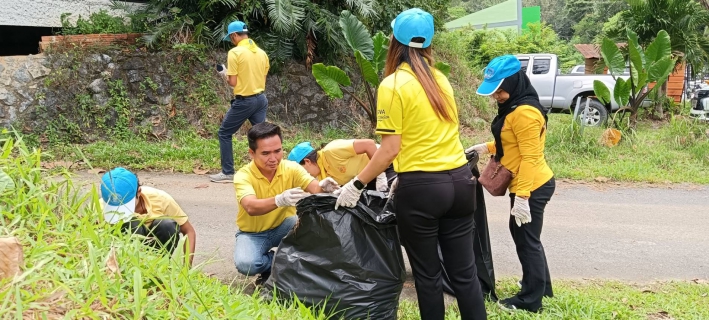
<point>364,8</point>
<point>286,15</point>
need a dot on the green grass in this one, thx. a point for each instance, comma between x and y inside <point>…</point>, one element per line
<point>600,300</point>
<point>675,152</point>
<point>66,273</point>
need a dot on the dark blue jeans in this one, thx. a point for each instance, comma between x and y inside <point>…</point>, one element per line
<point>252,108</point>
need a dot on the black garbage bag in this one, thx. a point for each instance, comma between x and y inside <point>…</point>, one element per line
<point>481,241</point>
<point>348,261</point>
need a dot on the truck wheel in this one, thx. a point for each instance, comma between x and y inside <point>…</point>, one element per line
<point>597,114</point>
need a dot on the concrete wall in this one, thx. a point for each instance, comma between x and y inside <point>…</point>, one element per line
<point>46,13</point>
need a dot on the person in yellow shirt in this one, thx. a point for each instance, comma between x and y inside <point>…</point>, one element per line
<point>519,132</point>
<point>341,160</point>
<point>267,190</point>
<point>247,67</point>
<point>418,120</point>
<point>146,211</point>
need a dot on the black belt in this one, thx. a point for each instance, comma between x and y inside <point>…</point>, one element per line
<point>240,97</point>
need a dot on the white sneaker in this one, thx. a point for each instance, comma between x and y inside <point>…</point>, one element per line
<point>222,178</point>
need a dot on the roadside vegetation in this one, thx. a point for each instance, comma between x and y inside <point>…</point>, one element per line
<point>76,266</point>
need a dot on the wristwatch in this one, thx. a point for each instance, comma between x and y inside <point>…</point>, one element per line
<point>358,184</point>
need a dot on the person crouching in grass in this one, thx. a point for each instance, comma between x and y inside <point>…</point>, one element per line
<point>145,211</point>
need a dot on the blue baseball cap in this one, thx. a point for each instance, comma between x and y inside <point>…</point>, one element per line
<point>236,26</point>
<point>118,189</point>
<point>300,151</point>
<point>497,70</point>
<point>413,23</point>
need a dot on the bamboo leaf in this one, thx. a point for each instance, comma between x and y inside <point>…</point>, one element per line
<point>330,78</point>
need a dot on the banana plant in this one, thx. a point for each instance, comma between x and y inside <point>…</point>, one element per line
<point>370,55</point>
<point>651,65</point>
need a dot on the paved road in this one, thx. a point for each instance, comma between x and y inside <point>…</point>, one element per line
<point>590,230</point>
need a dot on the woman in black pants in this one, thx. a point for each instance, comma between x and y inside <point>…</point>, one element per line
<point>418,120</point>
<point>519,130</point>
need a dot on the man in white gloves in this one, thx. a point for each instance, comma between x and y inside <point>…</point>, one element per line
<point>267,190</point>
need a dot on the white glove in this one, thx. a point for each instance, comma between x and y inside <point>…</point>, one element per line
<point>329,185</point>
<point>221,69</point>
<point>348,195</point>
<point>480,148</point>
<point>382,184</point>
<point>521,211</point>
<point>290,197</point>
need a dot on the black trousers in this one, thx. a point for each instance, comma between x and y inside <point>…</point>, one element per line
<point>437,208</point>
<point>162,233</point>
<point>536,281</point>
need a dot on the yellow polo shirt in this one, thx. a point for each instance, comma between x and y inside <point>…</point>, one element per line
<point>339,161</point>
<point>249,180</point>
<point>427,143</point>
<point>250,65</point>
<point>160,205</point>
<point>523,136</point>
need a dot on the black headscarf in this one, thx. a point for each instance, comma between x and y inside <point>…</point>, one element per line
<point>521,93</point>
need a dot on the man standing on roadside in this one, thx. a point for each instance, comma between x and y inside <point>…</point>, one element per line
<point>247,67</point>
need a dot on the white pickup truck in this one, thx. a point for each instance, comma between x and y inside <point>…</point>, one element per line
<point>558,91</point>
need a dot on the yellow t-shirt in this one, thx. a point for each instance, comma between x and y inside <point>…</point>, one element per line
<point>523,136</point>
<point>427,142</point>
<point>339,161</point>
<point>250,65</point>
<point>160,205</point>
<point>248,180</point>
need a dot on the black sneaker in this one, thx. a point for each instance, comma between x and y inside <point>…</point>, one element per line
<point>261,279</point>
<point>513,304</point>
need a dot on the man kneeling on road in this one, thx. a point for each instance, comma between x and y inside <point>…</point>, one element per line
<point>145,211</point>
<point>267,190</point>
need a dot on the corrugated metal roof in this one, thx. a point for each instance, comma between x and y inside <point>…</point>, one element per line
<point>591,51</point>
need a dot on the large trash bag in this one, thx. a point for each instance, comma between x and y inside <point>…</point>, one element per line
<point>348,261</point>
<point>481,242</point>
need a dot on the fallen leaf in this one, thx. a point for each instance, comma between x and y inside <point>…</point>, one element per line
<point>201,186</point>
<point>112,263</point>
<point>174,146</point>
<point>624,300</point>
<point>13,257</point>
<point>57,164</point>
<point>97,171</point>
<point>601,179</point>
<point>200,171</point>
<point>648,291</point>
<point>662,315</point>
<point>699,281</point>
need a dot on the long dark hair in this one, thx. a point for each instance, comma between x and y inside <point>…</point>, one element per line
<point>420,60</point>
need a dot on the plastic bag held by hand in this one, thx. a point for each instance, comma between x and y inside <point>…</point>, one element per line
<point>349,195</point>
<point>480,148</point>
<point>521,211</point>
<point>290,197</point>
<point>329,185</point>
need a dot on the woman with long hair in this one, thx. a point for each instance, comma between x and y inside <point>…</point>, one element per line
<point>519,132</point>
<point>418,120</point>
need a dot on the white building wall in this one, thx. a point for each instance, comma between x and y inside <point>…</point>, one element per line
<point>46,13</point>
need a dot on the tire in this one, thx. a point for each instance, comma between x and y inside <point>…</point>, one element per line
<point>597,113</point>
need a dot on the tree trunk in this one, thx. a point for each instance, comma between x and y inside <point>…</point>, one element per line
<point>661,97</point>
